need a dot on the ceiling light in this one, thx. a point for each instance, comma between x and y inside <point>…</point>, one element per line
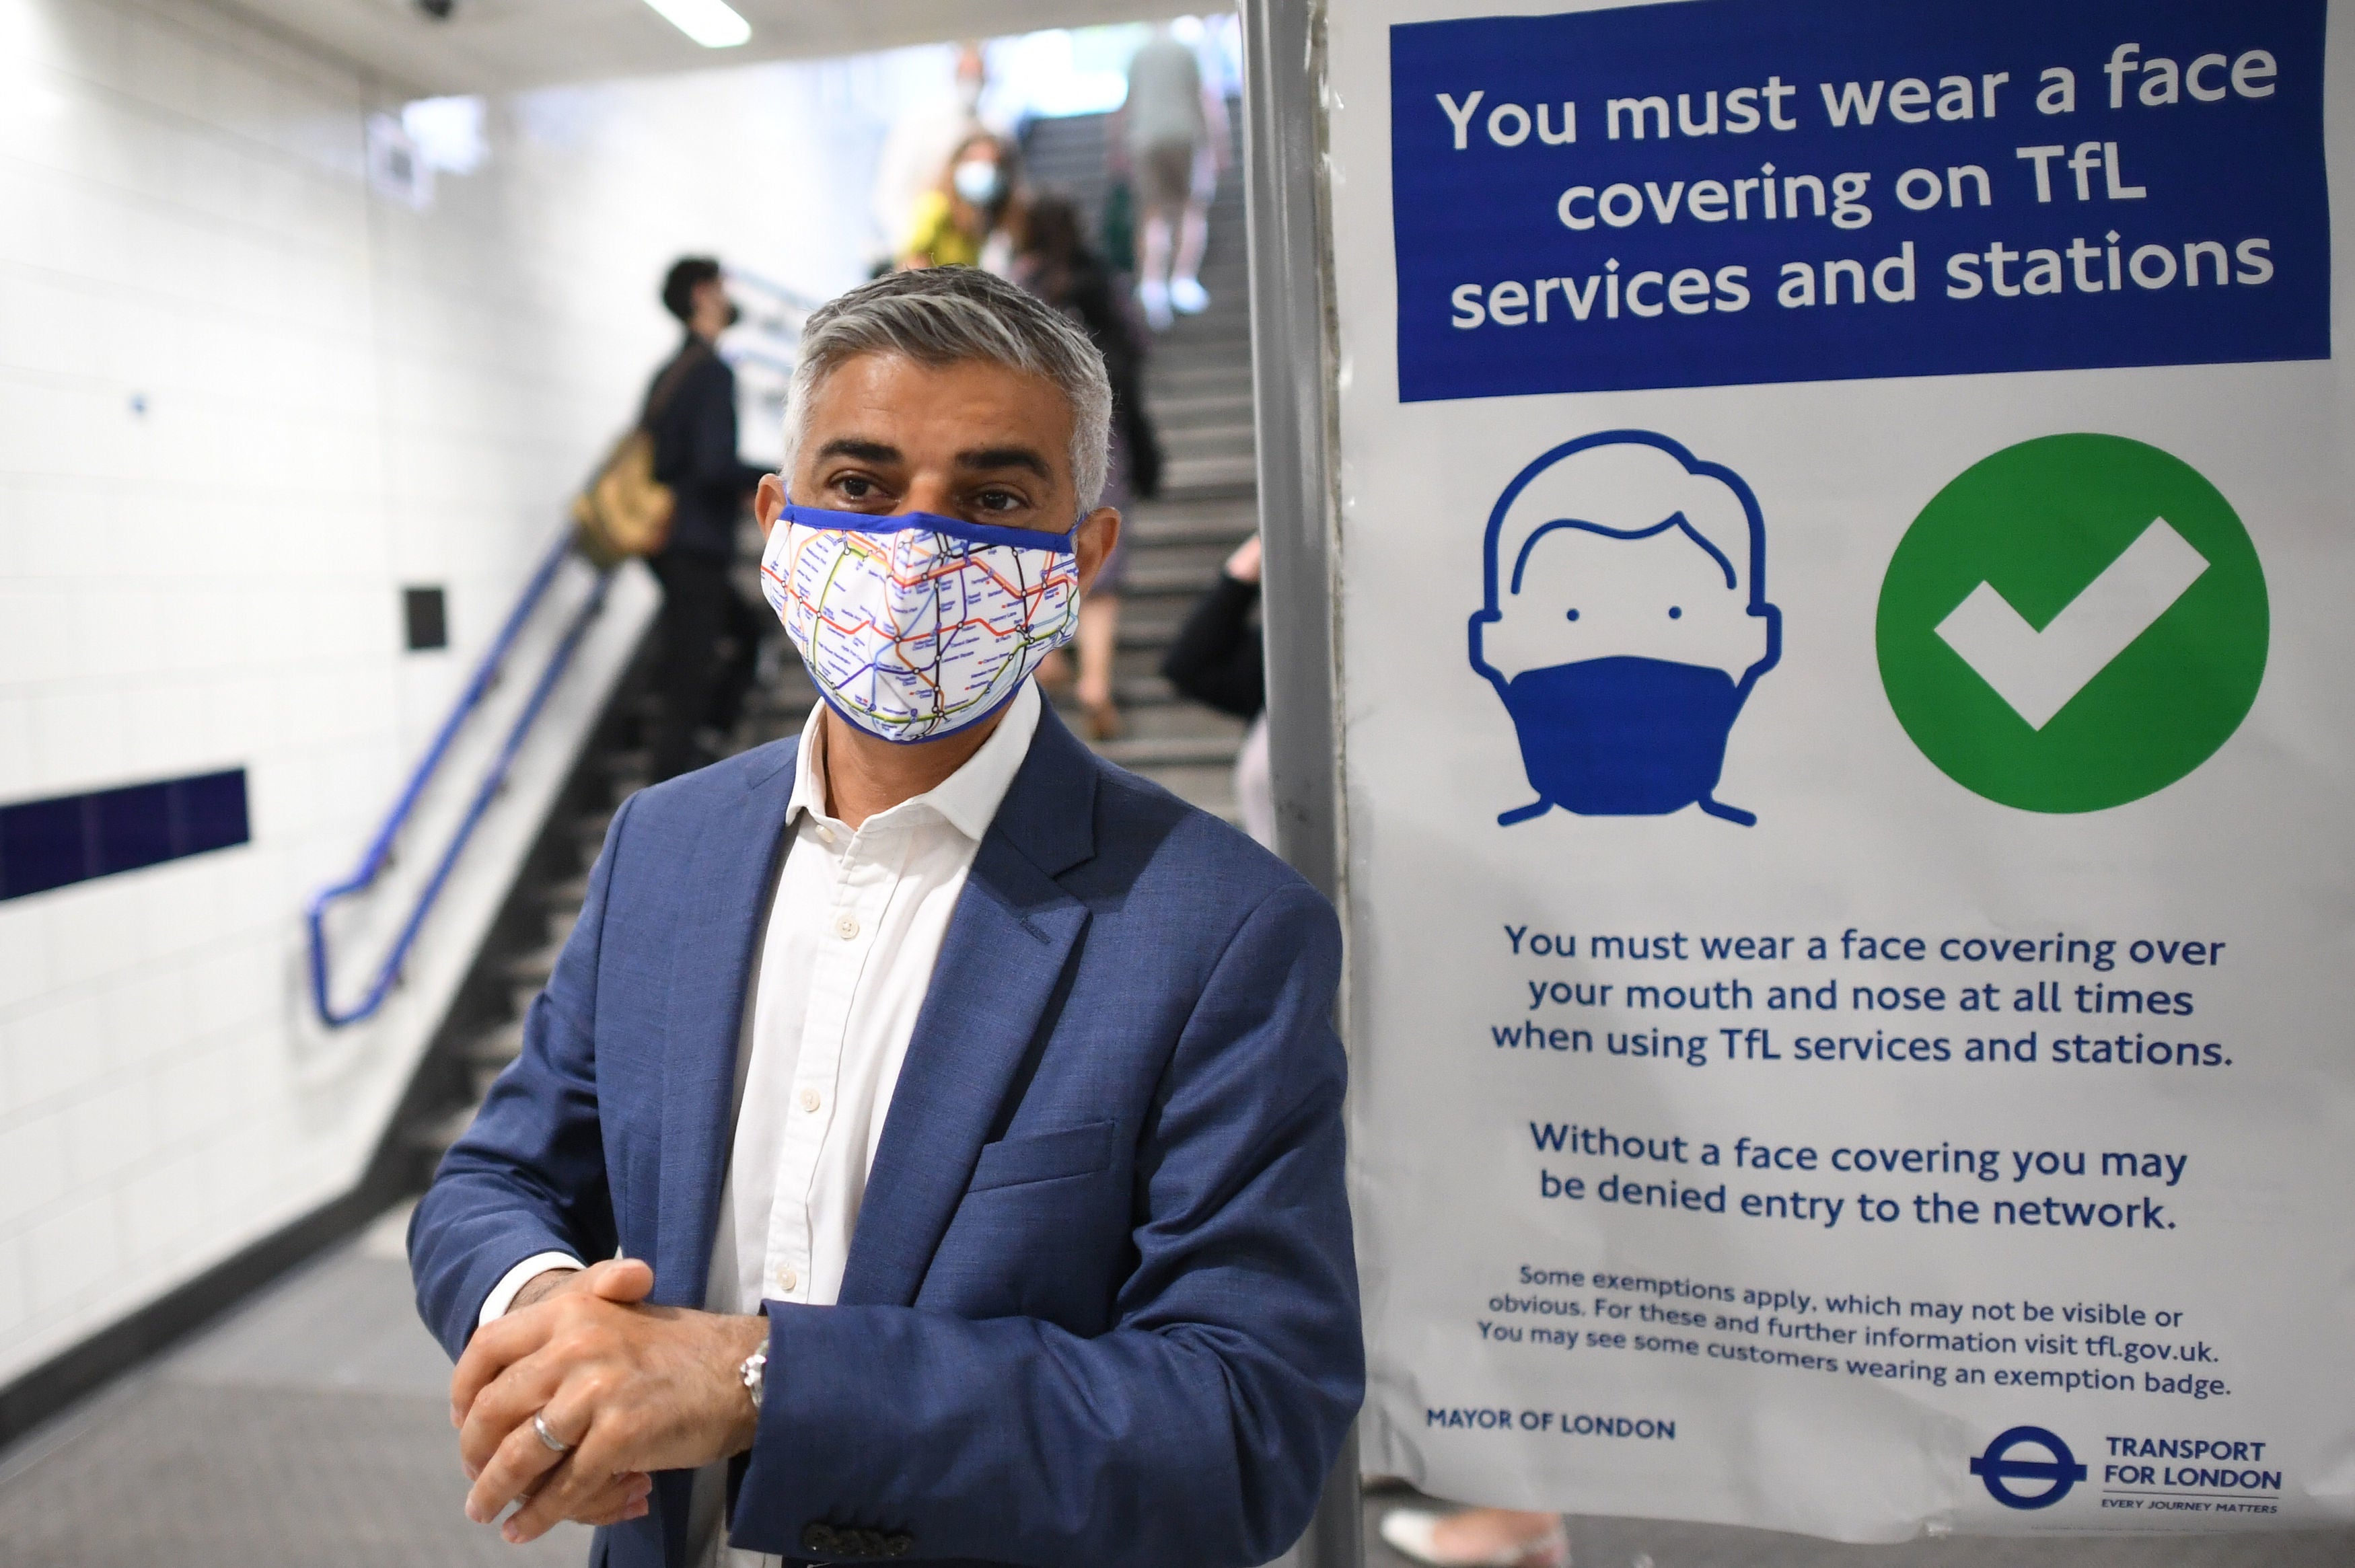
<point>714,24</point>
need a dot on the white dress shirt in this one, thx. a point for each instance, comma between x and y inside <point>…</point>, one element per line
<point>853,930</point>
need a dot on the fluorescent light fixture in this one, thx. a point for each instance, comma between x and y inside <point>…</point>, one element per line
<point>714,24</point>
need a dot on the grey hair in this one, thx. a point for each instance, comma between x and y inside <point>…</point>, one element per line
<point>949,315</point>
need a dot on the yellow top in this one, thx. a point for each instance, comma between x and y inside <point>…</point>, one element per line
<point>934,238</point>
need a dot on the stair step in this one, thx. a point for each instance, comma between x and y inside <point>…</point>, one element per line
<point>1213,330</point>
<point>1196,380</point>
<point>1193,409</point>
<point>1171,751</point>
<point>533,967</point>
<point>1191,520</point>
<point>1141,662</point>
<point>1207,439</point>
<point>1207,480</point>
<point>435,1135</point>
<point>496,1047</point>
<point>1186,721</point>
<point>1158,616</point>
<point>1154,578</point>
<point>1144,690</point>
<point>1141,691</point>
<point>1195,566</point>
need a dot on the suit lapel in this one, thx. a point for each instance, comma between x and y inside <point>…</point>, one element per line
<point>1008,947</point>
<point>723,914</point>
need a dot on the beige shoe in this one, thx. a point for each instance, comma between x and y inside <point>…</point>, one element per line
<point>1414,1532</point>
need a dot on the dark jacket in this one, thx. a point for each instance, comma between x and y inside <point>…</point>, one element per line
<point>693,422</point>
<point>1086,292</point>
<point>1218,657</point>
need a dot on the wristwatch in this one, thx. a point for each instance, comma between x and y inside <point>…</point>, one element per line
<point>754,1374</point>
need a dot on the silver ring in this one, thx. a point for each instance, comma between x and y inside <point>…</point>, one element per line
<point>539,1426</point>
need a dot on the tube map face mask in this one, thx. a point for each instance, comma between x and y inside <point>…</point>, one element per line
<point>914,626</point>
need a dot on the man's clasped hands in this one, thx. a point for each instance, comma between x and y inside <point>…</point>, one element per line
<point>629,1389</point>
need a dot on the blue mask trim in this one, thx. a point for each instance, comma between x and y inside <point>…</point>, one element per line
<point>950,528</point>
<point>988,713</point>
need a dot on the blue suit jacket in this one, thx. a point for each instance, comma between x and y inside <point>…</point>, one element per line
<point>1101,1304</point>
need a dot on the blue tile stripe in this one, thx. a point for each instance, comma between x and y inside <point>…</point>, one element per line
<point>73,838</point>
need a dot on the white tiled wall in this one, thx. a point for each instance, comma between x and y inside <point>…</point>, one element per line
<point>242,400</point>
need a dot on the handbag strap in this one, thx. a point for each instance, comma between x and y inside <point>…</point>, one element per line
<point>674,376</point>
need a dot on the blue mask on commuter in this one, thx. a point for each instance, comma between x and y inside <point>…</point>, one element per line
<point>979,181</point>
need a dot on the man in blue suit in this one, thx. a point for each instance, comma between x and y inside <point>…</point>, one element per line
<point>928,1146</point>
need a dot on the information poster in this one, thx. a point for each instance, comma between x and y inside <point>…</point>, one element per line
<point>1848,682</point>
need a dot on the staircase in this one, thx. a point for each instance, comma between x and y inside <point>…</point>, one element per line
<point>1199,391</point>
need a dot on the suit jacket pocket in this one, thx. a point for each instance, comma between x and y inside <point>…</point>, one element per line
<point>1043,1157</point>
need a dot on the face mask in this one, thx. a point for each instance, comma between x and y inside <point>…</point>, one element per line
<point>1623,737</point>
<point>915,626</point>
<point>978,180</point>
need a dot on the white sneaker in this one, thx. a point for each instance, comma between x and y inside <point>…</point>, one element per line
<point>1153,295</point>
<point>1412,1530</point>
<point>1188,296</point>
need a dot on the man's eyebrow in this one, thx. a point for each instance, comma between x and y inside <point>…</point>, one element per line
<point>862,450</point>
<point>1005,457</point>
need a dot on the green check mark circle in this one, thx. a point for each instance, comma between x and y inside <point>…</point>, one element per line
<point>2075,623</point>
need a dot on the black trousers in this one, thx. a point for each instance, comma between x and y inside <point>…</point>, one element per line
<point>711,647</point>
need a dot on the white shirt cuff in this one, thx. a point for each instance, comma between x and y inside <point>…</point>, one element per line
<point>503,1294</point>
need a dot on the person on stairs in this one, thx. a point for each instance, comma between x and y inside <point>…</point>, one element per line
<point>1219,659</point>
<point>1175,132</point>
<point>922,141</point>
<point>967,220</point>
<point>710,638</point>
<point>1054,261</point>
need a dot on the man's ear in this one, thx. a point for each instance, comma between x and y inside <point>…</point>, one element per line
<point>1099,532</point>
<point>768,501</point>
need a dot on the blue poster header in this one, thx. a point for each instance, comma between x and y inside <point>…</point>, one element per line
<point>1720,192</point>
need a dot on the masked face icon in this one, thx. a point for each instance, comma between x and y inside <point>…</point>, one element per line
<point>1625,622</point>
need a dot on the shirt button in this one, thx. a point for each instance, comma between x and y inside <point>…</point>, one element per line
<point>809,1099</point>
<point>826,835</point>
<point>787,1279</point>
<point>846,926</point>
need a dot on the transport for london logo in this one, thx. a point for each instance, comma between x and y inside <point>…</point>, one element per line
<point>2057,1471</point>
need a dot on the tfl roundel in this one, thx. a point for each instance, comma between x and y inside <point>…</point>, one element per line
<point>1998,1469</point>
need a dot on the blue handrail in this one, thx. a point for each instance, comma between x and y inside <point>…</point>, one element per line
<point>792,299</point>
<point>778,362</point>
<point>379,852</point>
